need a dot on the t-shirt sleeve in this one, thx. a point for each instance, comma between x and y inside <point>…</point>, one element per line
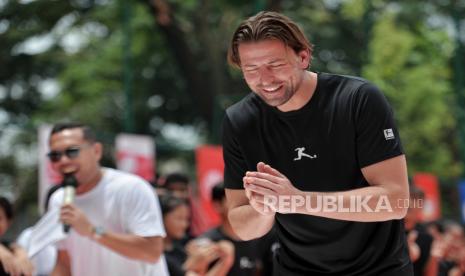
<point>377,136</point>
<point>141,211</point>
<point>234,162</point>
<point>24,237</point>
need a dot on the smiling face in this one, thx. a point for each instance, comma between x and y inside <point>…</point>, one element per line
<point>273,70</point>
<point>85,163</point>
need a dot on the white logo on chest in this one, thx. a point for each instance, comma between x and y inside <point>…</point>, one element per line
<point>301,153</point>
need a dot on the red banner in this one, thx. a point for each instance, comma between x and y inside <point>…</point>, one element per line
<point>47,176</point>
<point>135,154</point>
<point>210,167</point>
<point>429,184</point>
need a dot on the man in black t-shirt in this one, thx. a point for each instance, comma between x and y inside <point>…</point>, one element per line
<point>316,155</point>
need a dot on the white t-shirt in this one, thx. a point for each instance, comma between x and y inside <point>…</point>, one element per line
<point>45,260</point>
<point>120,203</point>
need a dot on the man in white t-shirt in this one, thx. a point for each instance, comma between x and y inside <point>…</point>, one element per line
<point>115,219</point>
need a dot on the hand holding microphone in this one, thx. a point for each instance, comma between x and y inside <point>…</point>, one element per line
<point>69,185</point>
<point>70,214</point>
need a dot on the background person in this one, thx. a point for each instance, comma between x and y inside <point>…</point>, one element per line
<point>197,258</point>
<point>251,257</point>
<point>116,223</point>
<point>13,258</point>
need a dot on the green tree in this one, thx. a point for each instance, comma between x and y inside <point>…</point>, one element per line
<point>410,63</point>
<point>180,75</point>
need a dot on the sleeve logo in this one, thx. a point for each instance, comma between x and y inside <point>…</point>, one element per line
<point>388,134</point>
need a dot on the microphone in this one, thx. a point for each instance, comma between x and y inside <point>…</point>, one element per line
<point>69,185</point>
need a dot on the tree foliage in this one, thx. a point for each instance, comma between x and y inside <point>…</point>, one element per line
<point>64,60</point>
<point>410,62</point>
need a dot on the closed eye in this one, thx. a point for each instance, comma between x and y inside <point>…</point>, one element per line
<point>251,70</point>
<point>277,65</point>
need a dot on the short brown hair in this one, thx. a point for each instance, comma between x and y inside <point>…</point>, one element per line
<point>268,25</point>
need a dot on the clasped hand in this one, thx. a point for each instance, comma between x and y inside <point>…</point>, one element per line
<point>264,187</point>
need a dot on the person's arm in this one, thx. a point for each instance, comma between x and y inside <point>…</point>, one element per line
<point>244,212</point>
<point>414,250</point>
<point>248,217</point>
<point>62,266</point>
<point>247,222</point>
<point>201,256</point>
<point>148,249</point>
<point>26,266</point>
<point>382,200</point>
<point>8,262</point>
<point>439,248</point>
<point>225,261</point>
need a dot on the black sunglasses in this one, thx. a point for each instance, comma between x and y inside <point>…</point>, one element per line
<point>71,153</point>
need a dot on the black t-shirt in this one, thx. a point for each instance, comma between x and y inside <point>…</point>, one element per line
<point>445,267</point>
<point>347,125</point>
<point>249,255</point>
<point>424,241</point>
<point>175,259</point>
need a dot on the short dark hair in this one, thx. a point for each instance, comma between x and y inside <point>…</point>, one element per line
<point>218,193</point>
<point>88,133</point>
<point>169,202</point>
<point>7,207</point>
<point>176,178</point>
<point>268,25</point>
